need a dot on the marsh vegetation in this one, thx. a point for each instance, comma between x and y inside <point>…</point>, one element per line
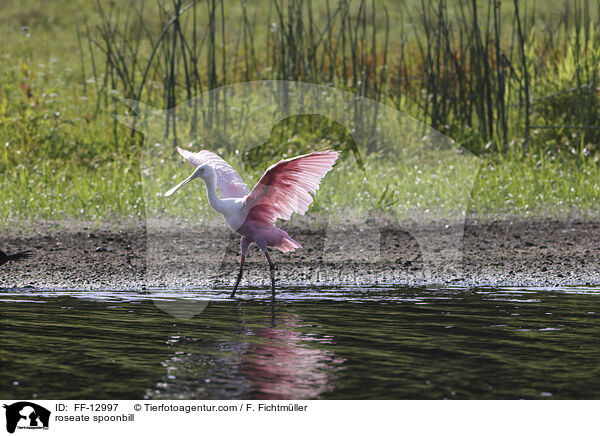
<point>515,82</point>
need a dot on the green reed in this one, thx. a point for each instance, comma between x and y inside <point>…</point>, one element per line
<point>507,80</point>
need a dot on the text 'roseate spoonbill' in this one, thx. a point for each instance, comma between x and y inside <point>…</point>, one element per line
<point>284,188</point>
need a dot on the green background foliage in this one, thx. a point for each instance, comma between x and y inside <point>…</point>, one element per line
<point>512,81</point>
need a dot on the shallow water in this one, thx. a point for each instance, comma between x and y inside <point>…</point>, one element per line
<point>311,343</point>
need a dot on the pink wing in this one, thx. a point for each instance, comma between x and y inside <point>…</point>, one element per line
<point>286,187</point>
<point>229,181</point>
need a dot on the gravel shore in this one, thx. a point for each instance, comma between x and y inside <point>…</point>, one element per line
<point>539,252</point>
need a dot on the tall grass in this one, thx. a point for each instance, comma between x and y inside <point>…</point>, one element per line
<point>470,69</point>
<point>507,80</point>
<point>192,52</point>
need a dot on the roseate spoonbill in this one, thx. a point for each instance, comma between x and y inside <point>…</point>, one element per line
<point>284,188</point>
<point>4,258</point>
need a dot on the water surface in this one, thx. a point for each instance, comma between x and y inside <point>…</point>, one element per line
<point>347,343</point>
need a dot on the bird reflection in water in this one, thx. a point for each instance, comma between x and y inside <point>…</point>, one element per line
<point>287,363</point>
<point>276,360</point>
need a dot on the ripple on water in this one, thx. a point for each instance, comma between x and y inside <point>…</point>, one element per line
<point>344,342</point>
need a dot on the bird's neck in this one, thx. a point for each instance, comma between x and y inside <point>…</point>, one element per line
<point>211,192</point>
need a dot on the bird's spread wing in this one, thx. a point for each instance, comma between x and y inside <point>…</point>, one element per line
<point>17,257</point>
<point>286,187</point>
<point>21,256</point>
<point>229,182</point>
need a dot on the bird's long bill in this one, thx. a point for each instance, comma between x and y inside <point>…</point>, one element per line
<point>194,175</point>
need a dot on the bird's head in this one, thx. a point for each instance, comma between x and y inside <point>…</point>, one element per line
<point>204,172</point>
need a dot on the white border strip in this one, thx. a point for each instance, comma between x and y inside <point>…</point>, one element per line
<point>156,417</point>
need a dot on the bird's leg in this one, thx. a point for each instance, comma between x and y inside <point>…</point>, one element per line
<point>239,277</point>
<point>272,271</point>
<point>244,244</point>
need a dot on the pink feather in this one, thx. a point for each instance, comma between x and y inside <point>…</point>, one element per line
<point>285,188</point>
<point>229,181</point>
<point>288,186</point>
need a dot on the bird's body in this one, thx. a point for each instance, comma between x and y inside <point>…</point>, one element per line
<point>285,188</point>
<point>4,258</point>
